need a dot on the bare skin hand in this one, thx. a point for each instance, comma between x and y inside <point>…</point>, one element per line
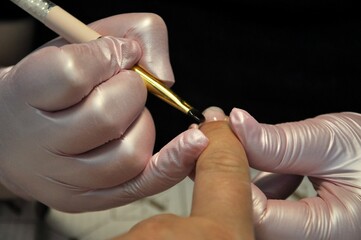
<point>222,205</point>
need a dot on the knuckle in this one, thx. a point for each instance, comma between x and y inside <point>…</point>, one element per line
<point>57,74</point>
<point>153,20</point>
<point>123,53</point>
<point>107,122</point>
<point>221,161</point>
<point>70,71</point>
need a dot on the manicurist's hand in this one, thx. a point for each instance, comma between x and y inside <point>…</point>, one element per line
<point>222,205</point>
<point>74,130</point>
<point>327,149</point>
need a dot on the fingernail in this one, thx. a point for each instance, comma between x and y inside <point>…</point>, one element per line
<point>214,114</point>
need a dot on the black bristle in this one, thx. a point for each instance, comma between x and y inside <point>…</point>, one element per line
<point>196,115</point>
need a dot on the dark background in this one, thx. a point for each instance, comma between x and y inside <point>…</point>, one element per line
<point>279,60</point>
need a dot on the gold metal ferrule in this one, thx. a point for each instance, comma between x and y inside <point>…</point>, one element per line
<point>159,89</point>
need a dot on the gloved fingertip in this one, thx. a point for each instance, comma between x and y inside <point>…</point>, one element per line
<point>240,116</point>
<point>214,114</point>
<point>193,126</point>
<point>196,137</point>
<point>243,124</point>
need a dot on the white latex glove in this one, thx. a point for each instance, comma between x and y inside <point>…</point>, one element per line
<point>74,132</point>
<point>327,149</point>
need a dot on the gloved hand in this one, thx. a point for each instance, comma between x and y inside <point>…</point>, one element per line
<point>327,149</point>
<point>74,132</point>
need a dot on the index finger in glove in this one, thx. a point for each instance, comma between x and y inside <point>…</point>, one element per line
<point>309,147</point>
<point>166,168</point>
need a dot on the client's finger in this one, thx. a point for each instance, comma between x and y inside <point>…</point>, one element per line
<point>222,190</point>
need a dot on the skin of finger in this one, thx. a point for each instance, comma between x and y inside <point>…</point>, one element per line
<point>169,226</point>
<point>233,221</point>
<point>222,190</point>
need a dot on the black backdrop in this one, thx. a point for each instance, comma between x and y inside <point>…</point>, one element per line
<point>279,60</point>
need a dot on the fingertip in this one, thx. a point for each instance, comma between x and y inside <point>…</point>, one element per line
<point>185,148</point>
<point>243,124</point>
<point>240,116</point>
<point>189,145</point>
<point>196,137</point>
<point>193,126</point>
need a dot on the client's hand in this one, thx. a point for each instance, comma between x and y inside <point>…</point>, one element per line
<point>222,207</point>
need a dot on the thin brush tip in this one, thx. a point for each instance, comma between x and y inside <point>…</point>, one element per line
<point>196,115</point>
